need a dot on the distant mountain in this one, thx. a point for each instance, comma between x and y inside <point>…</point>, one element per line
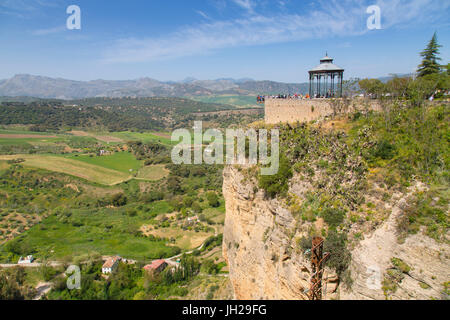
<point>391,76</point>
<point>274,87</point>
<point>24,85</point>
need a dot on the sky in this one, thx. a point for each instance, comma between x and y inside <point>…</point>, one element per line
<point>171,40</point>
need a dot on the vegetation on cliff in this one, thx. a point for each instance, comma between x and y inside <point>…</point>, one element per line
<point>349,163</point>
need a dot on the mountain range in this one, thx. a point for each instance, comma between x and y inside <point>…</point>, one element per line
<point>58,88</point>
<point>25,85</point>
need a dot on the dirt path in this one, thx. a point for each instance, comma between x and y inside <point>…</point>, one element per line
<point>30,265</point>
<point>26,136</point>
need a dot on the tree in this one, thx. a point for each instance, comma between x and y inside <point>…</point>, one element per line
<point>196,207</point>
<point>174,184</point>
<point>213,199</point>
<point>430,57</point>
<point>373,87</point>
<point>398,86</point>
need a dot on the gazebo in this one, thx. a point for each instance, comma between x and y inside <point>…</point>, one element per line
<point>325,80</point>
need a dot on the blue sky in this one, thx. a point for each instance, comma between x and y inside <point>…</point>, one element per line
<point>276,40</point>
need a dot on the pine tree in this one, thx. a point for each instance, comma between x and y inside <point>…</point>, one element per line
<point>430,57</point>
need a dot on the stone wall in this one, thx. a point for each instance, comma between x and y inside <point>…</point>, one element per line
<point>293,110</point>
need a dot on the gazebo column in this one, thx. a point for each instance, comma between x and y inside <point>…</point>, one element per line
<point>318,85</point>
<point>331,84</point>
<point>310,84</point>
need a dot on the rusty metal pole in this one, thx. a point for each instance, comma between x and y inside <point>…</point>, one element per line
<point>317,259</point>
<point>315,292</point>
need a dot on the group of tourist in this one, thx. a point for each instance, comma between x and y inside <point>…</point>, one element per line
<point>261,99</point>
<point>328,94</point>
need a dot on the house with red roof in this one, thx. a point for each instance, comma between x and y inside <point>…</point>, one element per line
<point>111,264</point>
<point>156,266</point>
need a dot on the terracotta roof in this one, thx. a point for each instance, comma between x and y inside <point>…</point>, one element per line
<point>155,264</point>
<point>110,262</point>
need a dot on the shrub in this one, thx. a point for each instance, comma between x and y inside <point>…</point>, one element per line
<point>333,217</point>
<point>196,207</point>
<point>119,200</point>
<point>336,244</point>
<point>213,199</point>
<point>400,265</point>
<point>277,184</point>
<point>153,196</point>
<point>384,150</point>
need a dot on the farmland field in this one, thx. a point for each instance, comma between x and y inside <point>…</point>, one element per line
<point>145,137</point>
<point>84,170</point>
<point>153,173</point>
<point>121,161</point>
<point>106,231</point>
<point>238,101</point>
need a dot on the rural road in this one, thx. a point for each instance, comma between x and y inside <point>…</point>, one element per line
<point>30,265</point>
<point>188,252</point>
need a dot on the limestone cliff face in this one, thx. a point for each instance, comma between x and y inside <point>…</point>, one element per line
<point>259,245</point>
<point>428,261</point>
<point>266,263</point>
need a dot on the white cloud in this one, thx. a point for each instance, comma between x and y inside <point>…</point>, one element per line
<point>403,13</point>
<point>204,15</point>
<point>44,32</point>
<point>246,4</point>
<point>332,19</point>
<point>25,8</point>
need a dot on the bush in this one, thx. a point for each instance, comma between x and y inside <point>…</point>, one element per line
<point>277,184</point>
<point>336,244</point>
<point>384,150</point>
<point>196,207</point>
<point>153,196</point>
<point>119,200</point>
<point>209,267</point>
<point>213,199</point>
<point>333,217</point>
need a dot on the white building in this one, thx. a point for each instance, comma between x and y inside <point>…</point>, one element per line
<point>110,265</point>
<point>27,260</point>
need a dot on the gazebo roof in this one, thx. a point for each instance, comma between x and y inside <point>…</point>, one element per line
<point>326,59</point>
<point>326,65</point>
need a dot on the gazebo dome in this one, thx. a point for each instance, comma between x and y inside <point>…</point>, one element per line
<point>326,64</point>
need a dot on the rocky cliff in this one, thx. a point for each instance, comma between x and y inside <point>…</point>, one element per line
<point>266,262</point>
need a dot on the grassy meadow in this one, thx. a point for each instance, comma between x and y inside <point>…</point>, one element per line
<point>123,162</point>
